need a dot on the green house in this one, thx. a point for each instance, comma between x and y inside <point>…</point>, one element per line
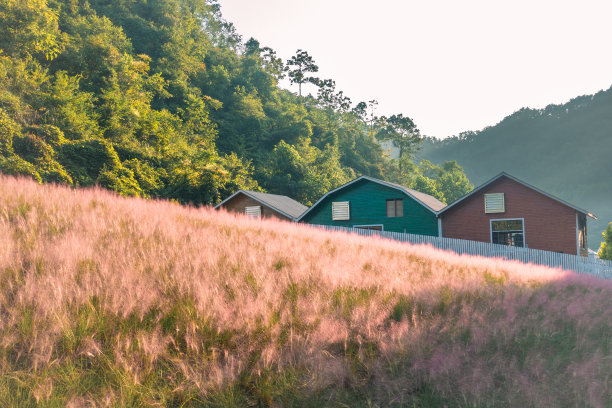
<point>370,203</point>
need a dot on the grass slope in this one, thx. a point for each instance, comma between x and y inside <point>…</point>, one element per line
<point>107,301</point>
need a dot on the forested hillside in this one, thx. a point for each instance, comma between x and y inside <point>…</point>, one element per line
<point>164,99</point>
<point>563,149</point>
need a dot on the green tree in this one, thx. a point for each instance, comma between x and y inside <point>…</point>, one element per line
<point>428,186</point>
<point>303,171</point>
<point>29,28</point>
<point>303,64</point>
<point>605,251</point>
<point>403,133</point>
<point>453,182</point>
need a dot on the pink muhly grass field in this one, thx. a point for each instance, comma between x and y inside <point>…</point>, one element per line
<point>106,300</point>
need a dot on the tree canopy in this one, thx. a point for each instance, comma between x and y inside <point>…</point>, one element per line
<point>605,252</point>
<point>164,99</point>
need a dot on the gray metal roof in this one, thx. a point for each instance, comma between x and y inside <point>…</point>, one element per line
<point>427,201</point>
<point>504,174</point>
<point>283,204</point>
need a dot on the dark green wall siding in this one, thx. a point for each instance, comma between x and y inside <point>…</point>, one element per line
<point>368,205</point>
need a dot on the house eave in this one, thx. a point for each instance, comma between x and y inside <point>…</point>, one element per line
<point>258,200</point>
<point>504,174</point>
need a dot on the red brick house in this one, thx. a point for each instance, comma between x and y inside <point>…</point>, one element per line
<point>508,211</point>
<point>263,205</point>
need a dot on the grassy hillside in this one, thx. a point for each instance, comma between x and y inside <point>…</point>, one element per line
<point>564,149</point>
<point>109,301</point>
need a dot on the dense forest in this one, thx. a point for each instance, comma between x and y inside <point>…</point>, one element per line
<point>563,149</point>
<point>164,99</point>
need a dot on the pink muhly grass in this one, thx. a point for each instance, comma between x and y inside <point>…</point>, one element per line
<point>138,285</point>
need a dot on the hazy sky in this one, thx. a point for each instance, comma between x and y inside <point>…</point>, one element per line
<point>450,65</point>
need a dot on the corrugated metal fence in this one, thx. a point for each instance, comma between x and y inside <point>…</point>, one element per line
<point>581,264</point>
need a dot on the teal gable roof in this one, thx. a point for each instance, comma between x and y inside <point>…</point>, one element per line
<point>367,199</point>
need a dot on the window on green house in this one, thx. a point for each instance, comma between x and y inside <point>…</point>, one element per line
<point>395,208</point>
<point>378,227</point>
<point>341,211</point>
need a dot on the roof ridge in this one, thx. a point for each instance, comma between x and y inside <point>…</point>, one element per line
<point>434,206</point>
<point>281,203</point>
<point>524,183</point>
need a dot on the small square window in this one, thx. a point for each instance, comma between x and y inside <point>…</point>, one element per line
<point>494,203</point>
<point>341,211</point>
<point>395,208</point>
<point>254,211</point>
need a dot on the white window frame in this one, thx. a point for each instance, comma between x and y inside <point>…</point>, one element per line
<point>348,208</point>
<point>370,225</point>
<point>503,195</point>
<point>508,219</point>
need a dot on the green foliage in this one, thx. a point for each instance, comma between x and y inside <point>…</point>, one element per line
<point>428,186</point>
<point>605,251</point>
<point>16,166</point>
<point>121,180</point>
<point>402,132</point>
<point>29,28</point>
<point>8,130</point>
<point>36,151</point>
<point>149,180</point>
<point>453,182</point>
<point>85,160</point>
<point>70,109</point>
<point>303,64</point>
<point>162,99</point>
<point>303,171</point>
<point>447,182</point>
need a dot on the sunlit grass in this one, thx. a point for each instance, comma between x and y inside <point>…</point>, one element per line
<point>124,302</point>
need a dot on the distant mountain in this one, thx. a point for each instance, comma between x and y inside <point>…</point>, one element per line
<point>563,149</point>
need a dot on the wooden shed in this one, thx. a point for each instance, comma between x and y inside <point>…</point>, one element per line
<point>263,205</point>
<point>370,203</point>
<point>508,211</point>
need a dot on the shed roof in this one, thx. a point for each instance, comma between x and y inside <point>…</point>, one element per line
<point>283,204</point>
<point>427,201</point>
<point>504,174</point>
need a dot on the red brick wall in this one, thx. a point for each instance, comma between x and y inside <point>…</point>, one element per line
<point>240,201</point>
<point>549,225</point>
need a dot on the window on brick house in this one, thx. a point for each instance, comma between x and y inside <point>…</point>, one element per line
<point>494,203</point>
<point>508,232</point>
